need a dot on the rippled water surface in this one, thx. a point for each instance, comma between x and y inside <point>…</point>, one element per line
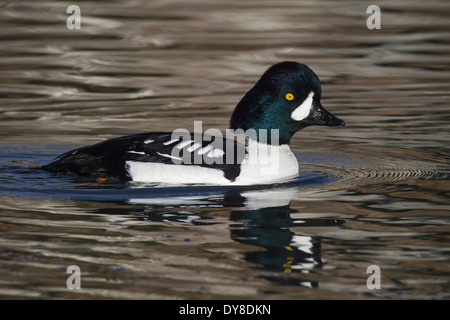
<point>375,192</point>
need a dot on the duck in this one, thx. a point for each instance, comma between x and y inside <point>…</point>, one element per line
<point>254,150</point>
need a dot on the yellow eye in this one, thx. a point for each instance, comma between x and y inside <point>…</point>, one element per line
<point>289,96</point>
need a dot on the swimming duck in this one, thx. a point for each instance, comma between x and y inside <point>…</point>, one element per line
<point>256,149</point>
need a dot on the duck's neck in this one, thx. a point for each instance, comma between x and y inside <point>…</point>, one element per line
<point>272,137</point>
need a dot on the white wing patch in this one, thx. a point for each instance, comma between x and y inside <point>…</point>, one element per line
<point>210,150</point>
<point>170,142</point>
<point>137,152</point>
<point>195,146</point>
<point>303,110</point>
<point>168,156</point>
<point>215,153</point>
<point>205,149</point>
<point>184,144</point>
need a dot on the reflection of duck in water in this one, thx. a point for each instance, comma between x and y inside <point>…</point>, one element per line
<point>270,228</point>
<point>265,222</point>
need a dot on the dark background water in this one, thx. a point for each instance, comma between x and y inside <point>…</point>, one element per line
<point>375,192</point>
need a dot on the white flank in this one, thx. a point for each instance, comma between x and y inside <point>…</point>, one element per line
<point>148,141</point>
<point>303,110</point>
<point>265,164</point>
<point>174,174</point>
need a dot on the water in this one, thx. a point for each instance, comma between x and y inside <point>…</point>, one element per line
<point>375,192</point>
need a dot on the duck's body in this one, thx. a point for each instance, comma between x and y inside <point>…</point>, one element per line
<point>285,100</point>
<point>159,157</point>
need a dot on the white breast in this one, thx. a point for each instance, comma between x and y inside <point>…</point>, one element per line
<point>267,164</point>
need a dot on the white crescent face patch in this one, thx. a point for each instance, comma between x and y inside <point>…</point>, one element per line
<point>303,110</point>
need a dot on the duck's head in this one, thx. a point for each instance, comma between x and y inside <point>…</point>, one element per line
<point>287,98</point>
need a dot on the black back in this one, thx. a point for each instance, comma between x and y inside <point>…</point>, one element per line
<point>108,159</point>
